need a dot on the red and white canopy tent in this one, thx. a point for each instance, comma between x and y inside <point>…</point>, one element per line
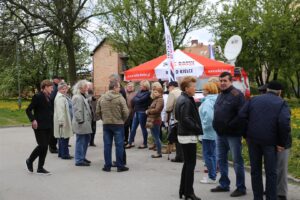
<point>186,64</point>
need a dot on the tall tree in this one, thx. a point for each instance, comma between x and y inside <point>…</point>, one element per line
<point>62,18</point>
<point>266,27</point>
<point>136,27</point>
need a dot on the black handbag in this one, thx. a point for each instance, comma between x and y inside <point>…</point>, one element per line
<point>172,136</point>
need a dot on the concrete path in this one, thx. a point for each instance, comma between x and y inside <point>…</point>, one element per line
<point>147,179</point>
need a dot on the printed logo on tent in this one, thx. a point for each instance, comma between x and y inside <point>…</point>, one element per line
<point>146,75</point>
<point>184,71</point>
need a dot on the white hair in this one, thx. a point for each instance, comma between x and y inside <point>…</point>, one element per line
<point>277,92</point>
<point>78,86</point>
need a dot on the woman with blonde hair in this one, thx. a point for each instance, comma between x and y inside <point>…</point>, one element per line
<point>140,104</point>
<point>154,118</point>
<point>206,111</point>
<point>155,85</point>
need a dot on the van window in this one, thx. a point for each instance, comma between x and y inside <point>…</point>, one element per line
<point>200,82</point>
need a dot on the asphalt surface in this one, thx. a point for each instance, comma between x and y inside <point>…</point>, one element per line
<point>147,178</point>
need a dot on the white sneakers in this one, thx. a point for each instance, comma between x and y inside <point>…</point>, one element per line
<point>206,180</point>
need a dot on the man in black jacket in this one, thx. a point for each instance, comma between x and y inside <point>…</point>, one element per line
<point>268,132</point>
<point>53,141</point>
<point>229,130</point>
<point>42,124</point>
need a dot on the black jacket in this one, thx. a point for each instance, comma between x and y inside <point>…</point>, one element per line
<point>226,121</point>
<point>141,101</point>
<point>42,111</point>
<point>268,119</point>
<point>187,115</point>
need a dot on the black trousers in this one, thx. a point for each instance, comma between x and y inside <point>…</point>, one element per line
<point>127,129</point>
<point>53,141</point>
<point>259,153</point>
<point>42,138</point>
<point>179,153</point>
<point>93,133</point>
<point>187,173</point>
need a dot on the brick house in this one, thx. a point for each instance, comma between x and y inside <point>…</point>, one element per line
<point>197,48</point>
<point>106,61</point>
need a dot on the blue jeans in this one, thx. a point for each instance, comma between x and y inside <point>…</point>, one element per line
<point>139,118</point>
<point>115,132</point>
<point>257,153</point>
<point>209,152</point>
<point>82,141</point>
<point>63,149</point>
<point>155,131</point>
<point>234,144</point>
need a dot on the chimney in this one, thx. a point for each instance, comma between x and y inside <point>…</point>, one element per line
<point>194,42</point>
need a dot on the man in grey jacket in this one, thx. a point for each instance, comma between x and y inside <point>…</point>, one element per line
<point>112,110</point>
<point>81,122</point>
<point>174,93</point>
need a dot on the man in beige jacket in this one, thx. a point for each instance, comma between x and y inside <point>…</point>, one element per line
<point>113,111</point>
<point>174,93</point>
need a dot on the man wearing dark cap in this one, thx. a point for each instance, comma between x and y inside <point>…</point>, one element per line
<point>174,93</point>
<point>263,89</point>
<point>53,141</point>
<point>268,131</point>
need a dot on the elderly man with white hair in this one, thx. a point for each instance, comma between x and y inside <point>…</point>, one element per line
<point>81,122</point>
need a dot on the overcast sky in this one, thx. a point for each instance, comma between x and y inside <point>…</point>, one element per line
<point>202,35</point>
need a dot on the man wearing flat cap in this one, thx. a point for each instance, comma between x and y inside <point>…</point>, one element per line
<point>174,93</point>
<point>268,132</point>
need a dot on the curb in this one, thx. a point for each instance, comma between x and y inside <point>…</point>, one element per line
<point>16,126</point>
<point>291,179</point>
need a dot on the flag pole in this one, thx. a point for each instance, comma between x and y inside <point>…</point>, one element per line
<point>170,51</point>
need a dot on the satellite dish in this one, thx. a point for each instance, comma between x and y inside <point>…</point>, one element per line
<point>233,48</point>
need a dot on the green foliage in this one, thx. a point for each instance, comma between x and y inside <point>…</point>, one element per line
<point>53,31</point>
<point>136,27</point>
<point>270,30</point>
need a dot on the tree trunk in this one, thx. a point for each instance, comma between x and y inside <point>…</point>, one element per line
<point>298,84</point>
<point>71,60</point>
<point>275,76</point>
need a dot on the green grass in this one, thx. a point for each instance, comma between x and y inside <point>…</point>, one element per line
<point>13,117</point>
<point>10,115</point>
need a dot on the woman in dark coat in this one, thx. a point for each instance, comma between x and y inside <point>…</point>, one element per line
<point>40,113</point>
<point>189,128</point>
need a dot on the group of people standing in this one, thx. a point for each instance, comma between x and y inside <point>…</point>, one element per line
<point>222,119</point>
<point>56,117</point>
<point>225,117</point>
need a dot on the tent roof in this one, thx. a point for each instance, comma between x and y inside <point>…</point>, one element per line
<point>211,67</point>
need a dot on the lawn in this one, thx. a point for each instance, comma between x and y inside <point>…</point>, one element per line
<point>10,115</point>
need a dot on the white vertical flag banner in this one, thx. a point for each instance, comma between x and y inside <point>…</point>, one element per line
<point>170,51</point>
<point>211,52</point>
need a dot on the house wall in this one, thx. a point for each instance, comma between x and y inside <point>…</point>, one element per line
<point>198,49</point>
<point>105,62</point>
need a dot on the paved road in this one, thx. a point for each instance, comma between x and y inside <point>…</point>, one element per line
<point>147,179</point>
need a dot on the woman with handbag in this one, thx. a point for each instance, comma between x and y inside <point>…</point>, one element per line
<point>63,114</point>
<point>154,118</point>
<point>189,128</point>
